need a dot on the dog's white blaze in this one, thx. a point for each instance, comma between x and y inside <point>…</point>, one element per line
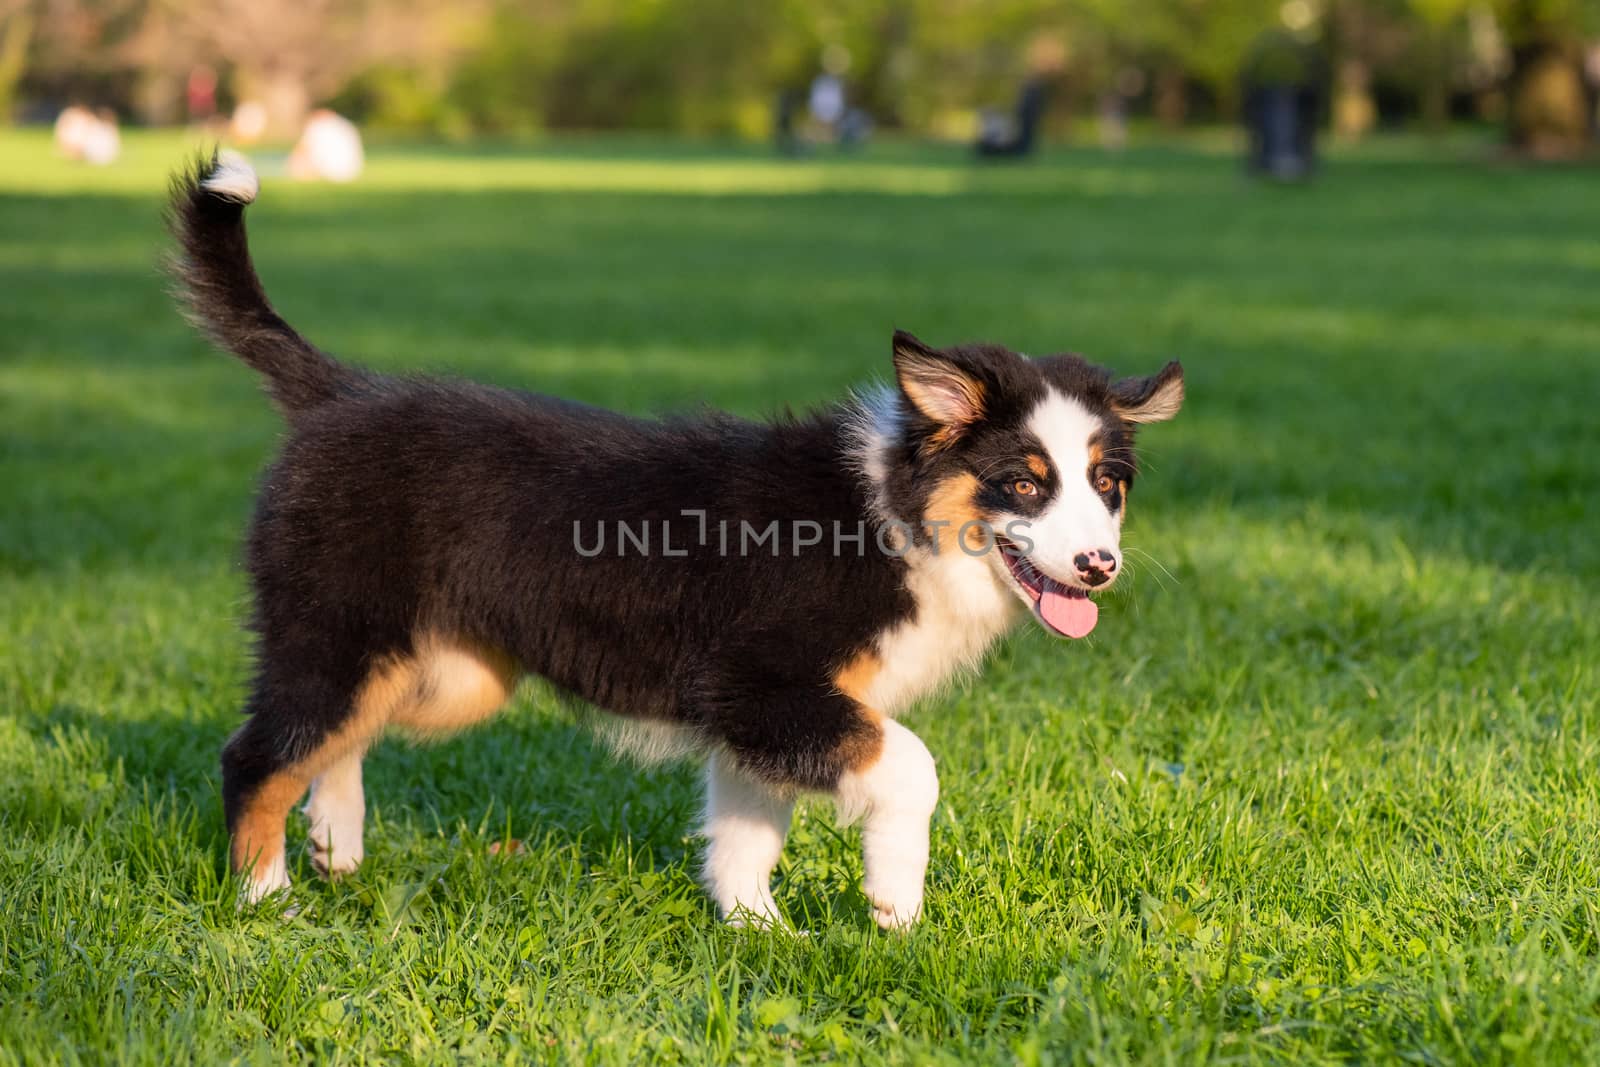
<point>1077,520</point>
<point>337,809</point>
<point>895,797</point>
<point>745,824</point>
<point>234,178</point>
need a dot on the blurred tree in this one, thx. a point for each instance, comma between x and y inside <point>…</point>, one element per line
<point>288,55</point>
<point>1364,37</point>
<point>68,51</point>
<point>17,18</point>
<point>1189,40</point>
<point>1551,109</point>
<point>717,66</point>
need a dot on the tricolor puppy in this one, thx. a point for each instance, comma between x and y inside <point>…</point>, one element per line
<point>768,594</point>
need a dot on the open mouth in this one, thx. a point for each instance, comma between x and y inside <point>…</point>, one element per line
<point>1061,608</point>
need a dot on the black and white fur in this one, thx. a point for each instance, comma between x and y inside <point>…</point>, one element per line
<point>412,554</point>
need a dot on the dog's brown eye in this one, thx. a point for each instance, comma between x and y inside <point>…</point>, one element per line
<point>1104,484</point>
<point>1023,487</point>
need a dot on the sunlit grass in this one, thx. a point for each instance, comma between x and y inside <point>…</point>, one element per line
<point>1320,787</point>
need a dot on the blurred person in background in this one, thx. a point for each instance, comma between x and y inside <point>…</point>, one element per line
<point>1006,135</point>
<point>88,136</point>
<point>1282,92</point>
<point>329,149</point>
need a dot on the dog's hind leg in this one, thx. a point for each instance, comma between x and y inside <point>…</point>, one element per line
<point>304,726</point>
<point>337,811</point>
<point>258,789</point>
<point>746,822</point>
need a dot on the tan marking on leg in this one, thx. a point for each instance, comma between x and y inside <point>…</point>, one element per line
<point>863,747</point>
<point>1038,465</point>
<point>258,835</point>
<point>855,678</point>
<point>445,685</point>
<point>460,682</point>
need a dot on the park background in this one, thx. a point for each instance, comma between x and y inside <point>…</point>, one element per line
<point>1320,788</point>
<point>458,68</point>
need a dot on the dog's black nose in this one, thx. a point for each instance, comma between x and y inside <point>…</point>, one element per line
<point>1096,566</point>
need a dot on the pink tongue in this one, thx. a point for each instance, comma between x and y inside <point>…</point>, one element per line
<point>1073,616</point>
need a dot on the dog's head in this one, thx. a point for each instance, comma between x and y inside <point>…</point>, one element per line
<point>1027,462</point>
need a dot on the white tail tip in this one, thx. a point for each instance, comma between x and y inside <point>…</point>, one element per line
<point>234,178</point>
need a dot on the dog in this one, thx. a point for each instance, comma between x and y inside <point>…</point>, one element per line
<point>768,595</point>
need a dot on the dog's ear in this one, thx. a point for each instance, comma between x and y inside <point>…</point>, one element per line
<point>1153,399</point>
<point>946,393</point>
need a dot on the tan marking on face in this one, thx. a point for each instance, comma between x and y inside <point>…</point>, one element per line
<point>1097,452</point>
<point>1038,465</point>
<point>954,503</point>
<point>1122,484</point>
<point>447,683</point>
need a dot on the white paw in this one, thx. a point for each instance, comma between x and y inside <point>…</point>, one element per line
<point>896,864</point>
<point>895,913</point>
<point>334,838</point>
<point>759,914</point>
<point>330,860</point>
<point>267,882</point>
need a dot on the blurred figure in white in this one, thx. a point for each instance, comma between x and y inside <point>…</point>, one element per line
<point>827,99</point>
<point>249,123</point>
<point>329,149</point>
<point>72,129</point>
<point>88,136</point>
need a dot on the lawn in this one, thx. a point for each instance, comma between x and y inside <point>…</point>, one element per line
<point>1321,787</point>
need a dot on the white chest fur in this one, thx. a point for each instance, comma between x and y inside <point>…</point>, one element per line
<point>961,608</point>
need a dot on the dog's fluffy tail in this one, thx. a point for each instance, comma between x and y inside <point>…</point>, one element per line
<point>221,294</point>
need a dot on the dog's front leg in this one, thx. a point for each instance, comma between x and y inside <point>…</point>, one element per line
<point>746,822</point>
<point>894,795</point>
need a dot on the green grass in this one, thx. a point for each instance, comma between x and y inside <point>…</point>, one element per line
<point>1328,792</point>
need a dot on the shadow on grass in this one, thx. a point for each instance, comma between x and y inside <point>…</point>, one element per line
<point>526,775</point>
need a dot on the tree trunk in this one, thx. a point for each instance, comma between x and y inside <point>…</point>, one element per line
<point>1171,102</point>
<point>1549,108</point>
<point>15,34</point>
<point>1354,112</point>
<point>1435,79</point>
